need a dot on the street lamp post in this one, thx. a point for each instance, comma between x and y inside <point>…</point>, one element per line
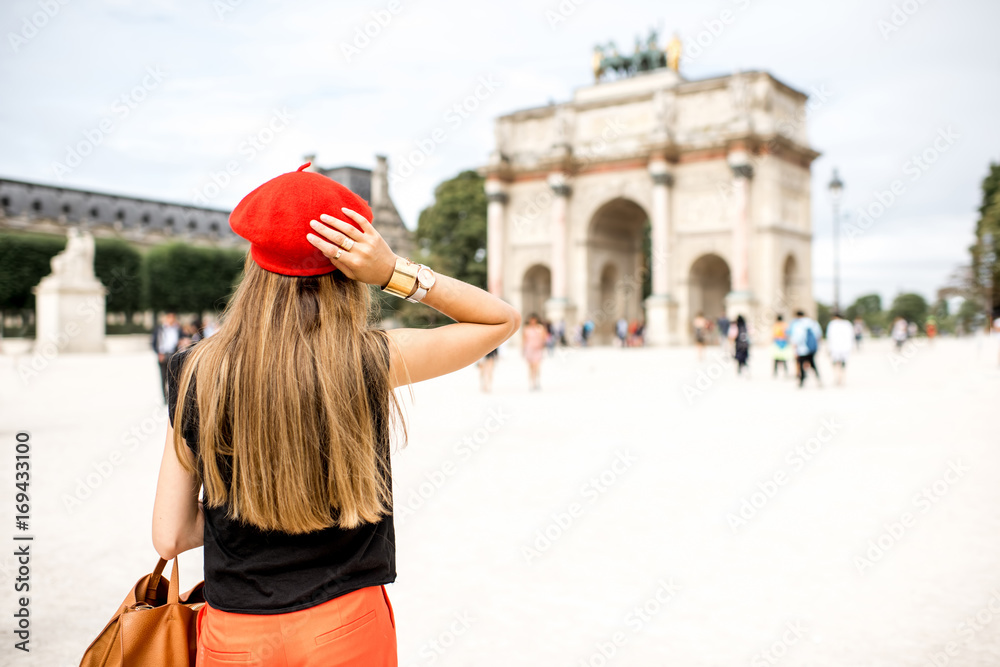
<point>836,190</point>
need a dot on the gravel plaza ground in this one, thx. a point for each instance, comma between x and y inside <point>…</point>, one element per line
<point>642,509</point>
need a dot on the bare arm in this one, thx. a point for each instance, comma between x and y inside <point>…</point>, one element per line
<point>178,518</point>
<point>483,321</point>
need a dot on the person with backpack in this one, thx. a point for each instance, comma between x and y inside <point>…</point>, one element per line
<point>804,334</point>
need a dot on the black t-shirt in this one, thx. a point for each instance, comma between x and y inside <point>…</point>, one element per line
<point>250,571</point>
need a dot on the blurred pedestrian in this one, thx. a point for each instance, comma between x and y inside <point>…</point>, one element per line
<point>486,365</point>
<point>211,326</point>
<point>166,340</point>
<point>859,330</point>
<point>741,344</point>
<point>839,341</point>
<point>533,339</point>
<point>700,325</point>
<point>621,330</point>
<point>931,328</point>
<point>550,340</point>
<point>189,336</point>
<point>900,332</point>
<point>804,334</point>
<point>780,349</point>
<point>586,330</point>
<point>722,323</point>
<point>640,327</point>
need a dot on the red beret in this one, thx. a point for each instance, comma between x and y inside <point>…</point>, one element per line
<point>275,219</point>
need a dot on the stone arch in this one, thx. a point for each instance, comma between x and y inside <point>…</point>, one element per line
<point>709,281</point>
<point>536,288</point>
<point>617,265</point>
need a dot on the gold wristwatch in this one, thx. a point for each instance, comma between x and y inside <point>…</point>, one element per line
<point>404,278</point>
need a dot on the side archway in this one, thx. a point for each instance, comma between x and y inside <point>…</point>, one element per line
<point>709,281</point>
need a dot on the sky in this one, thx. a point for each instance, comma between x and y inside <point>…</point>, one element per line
<point>200,101</point>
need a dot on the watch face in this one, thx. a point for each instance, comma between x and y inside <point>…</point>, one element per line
<point>426,277</point>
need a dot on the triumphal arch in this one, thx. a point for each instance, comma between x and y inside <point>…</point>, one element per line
<point>649,196</point>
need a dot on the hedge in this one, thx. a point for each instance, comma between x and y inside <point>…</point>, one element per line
<point>191,279</point>
<point>26,258</point>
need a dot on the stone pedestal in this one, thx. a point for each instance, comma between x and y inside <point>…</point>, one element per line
<point>661,314</point>
<point>69,302</point>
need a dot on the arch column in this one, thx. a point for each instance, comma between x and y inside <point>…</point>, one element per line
<point>558,307</point>
<point>740,300</point>
<point>661,306</point>
<point>496,196</point>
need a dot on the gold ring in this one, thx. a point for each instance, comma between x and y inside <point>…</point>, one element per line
<point>348,248</point>
<point>339,250</point>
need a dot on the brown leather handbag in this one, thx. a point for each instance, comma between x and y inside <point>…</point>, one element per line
<point>154,627</point>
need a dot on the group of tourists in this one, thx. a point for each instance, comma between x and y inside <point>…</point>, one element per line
<point>797,340</point>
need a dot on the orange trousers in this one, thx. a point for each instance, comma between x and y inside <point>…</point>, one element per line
<point>354,630</point>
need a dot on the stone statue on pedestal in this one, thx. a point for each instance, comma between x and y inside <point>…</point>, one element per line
<point>69,302</point>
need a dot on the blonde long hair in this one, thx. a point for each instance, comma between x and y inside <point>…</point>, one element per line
<point>294,397</point>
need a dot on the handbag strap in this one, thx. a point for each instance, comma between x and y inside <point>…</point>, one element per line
<point>173,586</point>
<point>174,589</point>
<point>154,583</point>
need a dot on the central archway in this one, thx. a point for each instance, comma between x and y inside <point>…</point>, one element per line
<point>617,261</point>
<point>708,283</point>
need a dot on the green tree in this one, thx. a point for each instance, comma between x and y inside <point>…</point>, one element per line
<point>911,307</point>
<point>452,230</point>
<point>823,314</point>
<point>969,316</point>
<point>869,309</point>
<point>451,238</point>
<point>985,267</point>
